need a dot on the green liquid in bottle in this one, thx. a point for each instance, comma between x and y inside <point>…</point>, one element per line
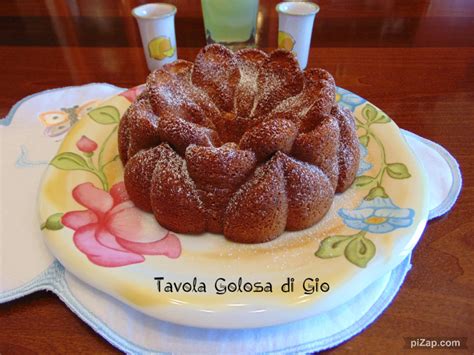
<point>230,21</point>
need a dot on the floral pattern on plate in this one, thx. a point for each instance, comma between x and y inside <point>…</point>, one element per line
<point>376,214</point>
<point>111,231</point>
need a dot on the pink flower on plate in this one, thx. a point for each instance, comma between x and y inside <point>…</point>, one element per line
<point>131,94</point>
<point>113,232</point>
<point>86,145</point>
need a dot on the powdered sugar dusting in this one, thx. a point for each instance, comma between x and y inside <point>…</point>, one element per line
<point>249,62</point>
<point>217,73</point>
<point>257,88</point>
<point>279,78</point>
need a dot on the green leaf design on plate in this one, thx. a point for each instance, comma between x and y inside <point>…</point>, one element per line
<point>377,191</point>
<point>382,119</point>
<point>333,246</point>
<point>363,180</point>
<point>398,171</point>
<point>369,112</point>
<point>364,140</point>
<point>105,115</point>
<point>53,222</point>
<point>69,161</point>
<point>360,251</point>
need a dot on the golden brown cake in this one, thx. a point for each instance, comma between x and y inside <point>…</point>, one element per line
<point>244,144</point>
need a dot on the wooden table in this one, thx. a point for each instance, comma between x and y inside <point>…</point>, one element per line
<point>412,58</point>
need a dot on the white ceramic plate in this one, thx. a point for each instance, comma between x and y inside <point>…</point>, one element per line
<point>368,231</point>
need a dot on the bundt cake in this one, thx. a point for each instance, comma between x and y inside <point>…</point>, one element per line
<point>244,144</point>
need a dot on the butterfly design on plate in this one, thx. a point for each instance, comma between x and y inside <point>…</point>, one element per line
<point>58,122</point>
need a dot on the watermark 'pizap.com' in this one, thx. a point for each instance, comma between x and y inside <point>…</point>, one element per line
<point>435,343</point>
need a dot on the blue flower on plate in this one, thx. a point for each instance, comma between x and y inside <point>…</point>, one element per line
<point>379,215</point>
<point>363,165</point>
<point>348,99</point>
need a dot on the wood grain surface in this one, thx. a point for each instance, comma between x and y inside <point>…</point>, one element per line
<point>414,59</point>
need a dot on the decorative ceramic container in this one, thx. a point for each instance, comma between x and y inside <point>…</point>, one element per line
<point>156,24</point>
<point>295,27</point>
